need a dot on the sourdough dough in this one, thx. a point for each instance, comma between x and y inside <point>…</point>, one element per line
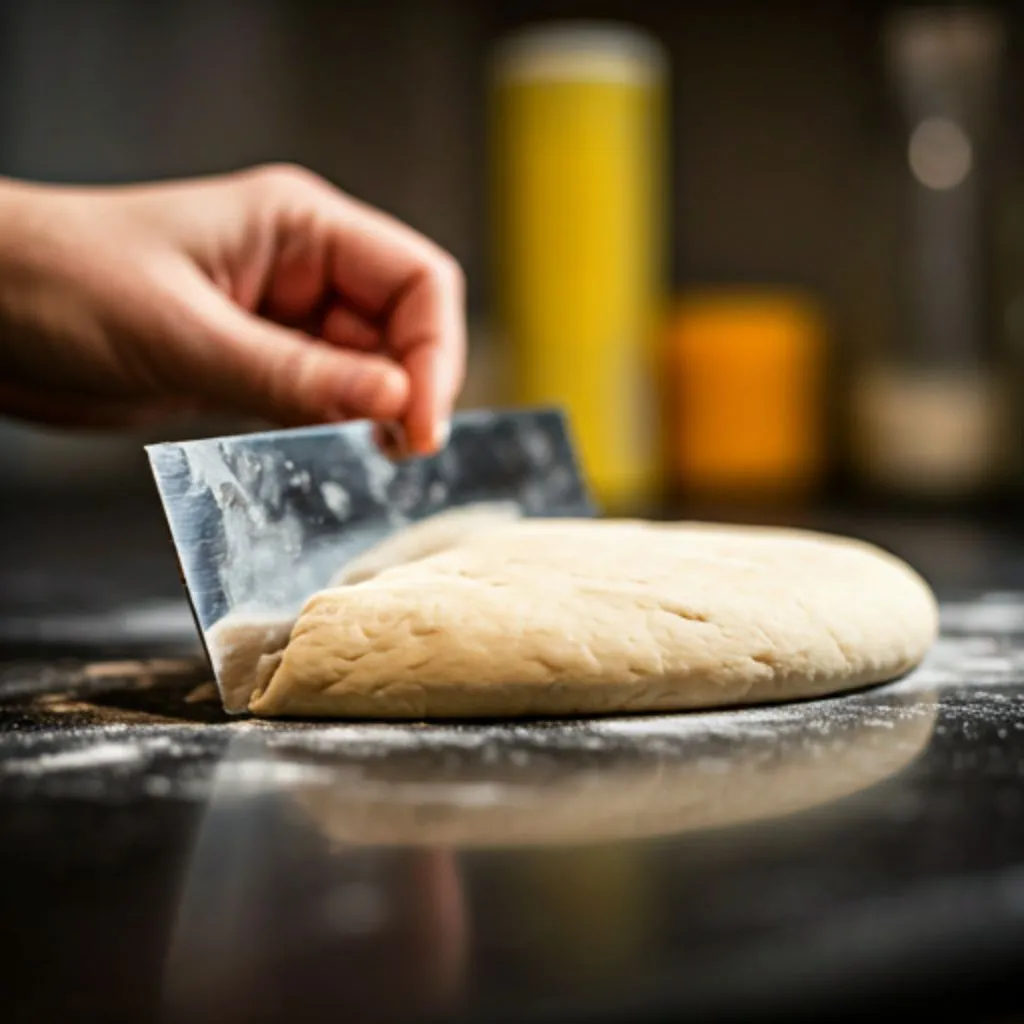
<point>550,617</point>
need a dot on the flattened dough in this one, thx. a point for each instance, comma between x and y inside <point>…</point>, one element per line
<point>563,617</point>
<point>428,537</point>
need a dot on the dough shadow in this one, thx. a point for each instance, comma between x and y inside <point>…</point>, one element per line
<point>179,692</point>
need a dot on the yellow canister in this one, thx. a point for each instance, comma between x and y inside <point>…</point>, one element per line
<point>578,142</point>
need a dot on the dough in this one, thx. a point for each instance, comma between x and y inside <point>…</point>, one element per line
<point>432,535</point>
<point>565,617</point>
<point>245,651</point>
<point>245,646</point>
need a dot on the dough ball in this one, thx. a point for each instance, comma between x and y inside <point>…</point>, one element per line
<point>577,617</point>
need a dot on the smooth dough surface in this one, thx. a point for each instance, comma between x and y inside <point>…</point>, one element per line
<point>556,617</point>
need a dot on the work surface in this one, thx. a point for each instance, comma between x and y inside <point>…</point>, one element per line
<point>159,862</point>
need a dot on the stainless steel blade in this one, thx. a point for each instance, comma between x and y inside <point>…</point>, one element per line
<point>262,521</point>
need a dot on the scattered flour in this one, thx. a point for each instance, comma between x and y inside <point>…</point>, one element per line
<point>994,613</point>
<point>96,750</point>
<point>250,776</point>
<point>157,622</point>
<point>99,755</point>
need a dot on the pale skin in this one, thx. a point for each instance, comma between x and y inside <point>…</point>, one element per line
<point>265,293</point>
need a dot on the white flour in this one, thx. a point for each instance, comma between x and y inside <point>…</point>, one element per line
<point>100,755</point>
<point>245,777</point>
<point>99,749</point>
<point>156,622</point>
<point>993,613</point>
<point>970,661</point>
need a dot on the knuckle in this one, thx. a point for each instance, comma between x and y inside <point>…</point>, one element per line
<point>365,390</point>
<point>446,271</point>
<point>377,389</point>
<point>287,177</point>
<point>289,382</point>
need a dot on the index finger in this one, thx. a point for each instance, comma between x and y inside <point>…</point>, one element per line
<point>416,289</point>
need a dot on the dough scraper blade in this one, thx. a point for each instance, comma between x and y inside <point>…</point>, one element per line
<point>262,521</point>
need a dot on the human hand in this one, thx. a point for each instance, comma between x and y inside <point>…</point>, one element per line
<point>264,292</point>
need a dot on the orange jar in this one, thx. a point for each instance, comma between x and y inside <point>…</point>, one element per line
<point>745,392</point>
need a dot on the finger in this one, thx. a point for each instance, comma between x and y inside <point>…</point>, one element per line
<point>426,421</point>
<point>285,376</point>
<point>343,326</point>
<point>427,333</point>
<point>295,288</point>
<point>397,276</point>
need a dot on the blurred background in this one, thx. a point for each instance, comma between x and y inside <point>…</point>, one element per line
<point>770,255</point>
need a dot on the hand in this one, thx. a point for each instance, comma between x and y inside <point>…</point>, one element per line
<point>264,293</point>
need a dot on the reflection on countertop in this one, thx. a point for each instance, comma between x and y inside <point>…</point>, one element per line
<point>111,731</point>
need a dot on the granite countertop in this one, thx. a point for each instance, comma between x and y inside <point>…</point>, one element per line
<point>162,862</point>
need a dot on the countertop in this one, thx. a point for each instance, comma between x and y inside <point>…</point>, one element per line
<point>161,862</point>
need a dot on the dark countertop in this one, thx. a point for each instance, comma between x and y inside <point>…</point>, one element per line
<point>159,862</point>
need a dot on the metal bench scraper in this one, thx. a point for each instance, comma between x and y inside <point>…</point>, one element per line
<point>262,521</point>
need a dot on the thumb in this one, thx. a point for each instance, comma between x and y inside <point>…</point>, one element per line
<point>254,366</point>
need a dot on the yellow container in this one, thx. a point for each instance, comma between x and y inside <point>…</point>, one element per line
<point>577,158</point>
<point>746,379</point>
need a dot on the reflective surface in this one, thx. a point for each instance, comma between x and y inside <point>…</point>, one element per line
<point>161,862</point>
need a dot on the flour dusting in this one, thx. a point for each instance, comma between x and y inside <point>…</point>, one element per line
<point>99,755</point>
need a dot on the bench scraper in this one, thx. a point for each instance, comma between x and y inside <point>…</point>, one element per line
<point>262,521</point>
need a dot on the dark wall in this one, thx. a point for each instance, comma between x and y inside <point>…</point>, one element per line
<point>780,112</point>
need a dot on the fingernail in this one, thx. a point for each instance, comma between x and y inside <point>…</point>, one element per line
<point>443,433</point>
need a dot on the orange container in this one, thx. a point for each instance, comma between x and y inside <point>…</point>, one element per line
<point>745,383</point>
